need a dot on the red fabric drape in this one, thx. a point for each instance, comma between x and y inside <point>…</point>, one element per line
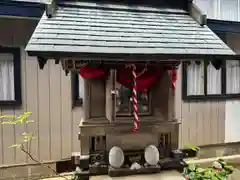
<point>144,80</point>
<point>91,72</point>
<point>124,75</point>
<point>173,75</point>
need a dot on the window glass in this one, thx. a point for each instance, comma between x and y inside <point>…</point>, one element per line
<point>233,76</point>
<point>223,79</point>
<point>195,78</point>
<point>124,101</point>
<point>213,79</point>
<point>81,87</point>
<point>6,77</point>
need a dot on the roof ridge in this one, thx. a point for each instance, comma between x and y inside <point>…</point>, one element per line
<point>115,6</point>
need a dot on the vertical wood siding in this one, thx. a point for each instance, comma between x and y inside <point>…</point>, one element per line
<point>232,133</point>
<point>220,9</point>
<point>203,122</point>
<point>47,94</point>
<point>209,116</point>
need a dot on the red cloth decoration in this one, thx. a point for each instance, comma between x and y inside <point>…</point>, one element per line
<point>173,75</point>
<point>124,76</point>
<point>91,72</point>
<point>144,81</point>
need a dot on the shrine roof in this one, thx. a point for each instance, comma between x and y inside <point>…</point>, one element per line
<point>79,28</point>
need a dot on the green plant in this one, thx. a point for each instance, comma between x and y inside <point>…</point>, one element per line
<point>25,144</point>
<point>194,148</point>
<point>220,170</point>
<point>19,120</point>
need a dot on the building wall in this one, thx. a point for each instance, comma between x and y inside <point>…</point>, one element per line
<point>203,122</point>
<point>47,94</point>
<point>211,122</point>
<point>220,9</point>
<point>232,115</point>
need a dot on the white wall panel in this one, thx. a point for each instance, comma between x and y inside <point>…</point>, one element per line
<point>220,9</point>
<point>232,113</point>
<point>229,10</point>
<point>206,6</point>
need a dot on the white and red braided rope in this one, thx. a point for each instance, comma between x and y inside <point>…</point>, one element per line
<point>135,103</point>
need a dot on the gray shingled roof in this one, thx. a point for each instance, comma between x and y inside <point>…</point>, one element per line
<point>109,29</point>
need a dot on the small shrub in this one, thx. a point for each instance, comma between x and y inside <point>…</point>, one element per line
<point>220,170</point>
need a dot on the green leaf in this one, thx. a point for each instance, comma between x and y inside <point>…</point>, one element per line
<point>229,168</point>
<point>33,137</point>
<point>27,136</point>
<point>7,122</point>
<point>15,146</point>
<point>22,119</point>
<point>185,171</point>
<point>208,173</point>
<point>214,178</point>
<point>191,175</point>
<point>200,170</point>
<point>198,176</point>
<point>194,148</point>
<point>8,117</point>
<point>222,177</point>
<point>29,121</point>
<point>192,167</point>
<point>222,162</point>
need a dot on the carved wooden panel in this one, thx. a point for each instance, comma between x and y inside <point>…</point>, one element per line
<point>110,97</point>
<point>130,140</point>
<point>97,98</point>
<point>161,98</point>
<point>98,144</point>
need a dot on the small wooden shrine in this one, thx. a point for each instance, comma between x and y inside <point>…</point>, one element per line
<point>128,55</point>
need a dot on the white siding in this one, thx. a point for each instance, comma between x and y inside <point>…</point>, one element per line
<point>232,113</point>
<point>232,121</point>
<point>47,94</point>
<point>220,9</point>
<point>227,10</point>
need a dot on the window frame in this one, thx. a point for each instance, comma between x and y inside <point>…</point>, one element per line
<point>223,96</point>
<point>76,101</point>
<point>16,52</point>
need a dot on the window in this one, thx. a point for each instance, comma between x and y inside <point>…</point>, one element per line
<point>77,89</point>
<point>10,76</point>
<point>211,79</point>
<point>124,101</point>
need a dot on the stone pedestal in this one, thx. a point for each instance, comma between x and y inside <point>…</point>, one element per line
<point>120,134</point>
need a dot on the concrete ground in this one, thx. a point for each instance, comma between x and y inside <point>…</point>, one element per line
<point>169,175</point>
<point>230,151</point>
<point>165,175</point>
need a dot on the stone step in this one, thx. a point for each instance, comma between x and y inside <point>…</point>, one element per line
<point>164,175</point>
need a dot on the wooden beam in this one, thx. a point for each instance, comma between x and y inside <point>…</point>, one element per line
<point>50,9</point>
<point>197,14</point>
<point>41,62</point>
